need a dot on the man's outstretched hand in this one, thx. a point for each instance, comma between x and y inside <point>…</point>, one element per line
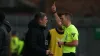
<point>49,53</point>
<point>60,43</point>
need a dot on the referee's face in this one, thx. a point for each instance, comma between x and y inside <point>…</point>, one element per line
<point>63,19</point>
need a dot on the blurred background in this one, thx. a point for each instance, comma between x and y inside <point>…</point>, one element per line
<point>86,17</point>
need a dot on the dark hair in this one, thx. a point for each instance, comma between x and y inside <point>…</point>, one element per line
<point>60,14</point>
<point>14,32</point>
<point>66,14</point>
<point>2,16</point>
<point>39,15</point>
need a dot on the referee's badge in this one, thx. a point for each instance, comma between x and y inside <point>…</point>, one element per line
<point>73,34</point>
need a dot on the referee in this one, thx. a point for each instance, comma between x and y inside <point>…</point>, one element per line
<point>70,39</point>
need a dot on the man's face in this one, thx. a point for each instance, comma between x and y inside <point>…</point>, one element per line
<point>64,19</point>
<point>44,21</point>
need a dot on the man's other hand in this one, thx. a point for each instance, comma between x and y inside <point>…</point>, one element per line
<point>47,52</point>
<point>51,54</point>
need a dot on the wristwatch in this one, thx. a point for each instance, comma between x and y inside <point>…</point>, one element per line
<point>64,43</point>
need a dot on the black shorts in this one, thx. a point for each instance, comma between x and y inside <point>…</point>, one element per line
<point>68,54</point>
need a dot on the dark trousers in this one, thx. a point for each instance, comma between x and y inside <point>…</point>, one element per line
<point>68,54</point>
<point>14,54</point>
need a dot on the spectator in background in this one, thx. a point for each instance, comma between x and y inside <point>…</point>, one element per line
<point>16,44</point>
<point>4,37</point>
<point>55,35</point>
<point>35,39</point>
<point>20,49</point>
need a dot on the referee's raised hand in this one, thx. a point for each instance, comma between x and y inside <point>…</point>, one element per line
<point>53,7</point>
